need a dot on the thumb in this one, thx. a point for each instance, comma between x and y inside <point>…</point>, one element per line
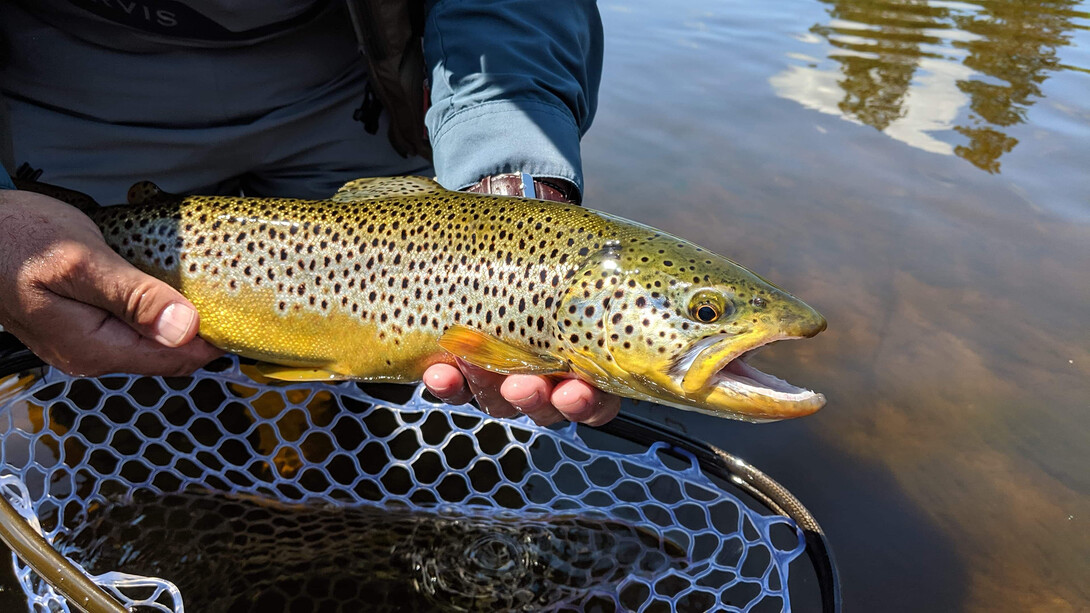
<point>148,305</point>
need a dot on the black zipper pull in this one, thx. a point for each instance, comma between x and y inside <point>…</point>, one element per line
<point>26,172</point>
<point>369,111</point>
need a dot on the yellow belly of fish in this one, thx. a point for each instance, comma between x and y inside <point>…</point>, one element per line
<point>247,323</point>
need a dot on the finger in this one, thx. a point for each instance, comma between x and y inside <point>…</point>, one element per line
<point>530,396</point>
<point>92,342</point>
<point>485,386</point>
<point>578,401</point>
<point>101,278</point>
<point>446,383</point>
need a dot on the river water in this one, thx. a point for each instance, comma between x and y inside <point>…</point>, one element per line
<point>917,171</point>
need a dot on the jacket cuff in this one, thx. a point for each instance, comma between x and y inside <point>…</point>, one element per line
<point>507,136</point>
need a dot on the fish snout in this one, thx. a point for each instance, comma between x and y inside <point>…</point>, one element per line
<point>802,322</point>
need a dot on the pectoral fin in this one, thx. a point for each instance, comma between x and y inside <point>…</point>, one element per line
<point>497,356</point>
<point>378,187</point>
<point>297,373</point>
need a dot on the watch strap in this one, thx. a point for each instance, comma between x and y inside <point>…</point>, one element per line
<point>523,185</point>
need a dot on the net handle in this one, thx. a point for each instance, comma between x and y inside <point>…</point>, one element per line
<point>51,566</point>
<point>31,547</point>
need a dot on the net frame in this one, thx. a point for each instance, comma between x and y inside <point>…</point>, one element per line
<point>45,598</point>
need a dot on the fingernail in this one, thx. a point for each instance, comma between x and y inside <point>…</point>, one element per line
<point>433,381</point>
<point>173,324</point>
<point>519,395</point>
<point>570,400</point>
<point>521,402</point>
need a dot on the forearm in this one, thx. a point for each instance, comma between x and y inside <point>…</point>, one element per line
<point>514,86</point>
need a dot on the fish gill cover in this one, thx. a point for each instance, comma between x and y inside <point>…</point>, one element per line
<point>245,493</point>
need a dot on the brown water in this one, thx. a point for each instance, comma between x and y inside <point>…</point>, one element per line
<point>918,172</point>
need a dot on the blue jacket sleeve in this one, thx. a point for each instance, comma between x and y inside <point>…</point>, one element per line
<point>514,85</point>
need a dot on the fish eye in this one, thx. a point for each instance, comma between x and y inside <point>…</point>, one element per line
<point>707,313</point>
<point>708,307</point>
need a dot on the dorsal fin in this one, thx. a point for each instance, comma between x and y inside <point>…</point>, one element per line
<point>143,192</point>
<point>378,187</point>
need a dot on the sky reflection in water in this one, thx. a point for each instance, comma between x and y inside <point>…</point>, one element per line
<point>915,69</point>
<point>837,148</point>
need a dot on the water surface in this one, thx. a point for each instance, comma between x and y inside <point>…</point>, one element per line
<point>918,172</point>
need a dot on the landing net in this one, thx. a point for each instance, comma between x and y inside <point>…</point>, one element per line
<point>71,449</point>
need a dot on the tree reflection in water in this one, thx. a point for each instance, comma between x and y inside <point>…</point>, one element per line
<point>1011,46</point>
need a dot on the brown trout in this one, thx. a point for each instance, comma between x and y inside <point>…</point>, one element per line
<point>392,275</point>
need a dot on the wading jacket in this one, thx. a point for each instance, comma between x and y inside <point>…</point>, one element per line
<point>513,83</point>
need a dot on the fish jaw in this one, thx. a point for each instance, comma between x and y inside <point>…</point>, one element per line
<point>735,389</point>
<point>708,358</point>
<point>729,386</point>
<point>714,373</point>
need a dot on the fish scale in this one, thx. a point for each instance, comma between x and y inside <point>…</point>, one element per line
<point>392,275</point>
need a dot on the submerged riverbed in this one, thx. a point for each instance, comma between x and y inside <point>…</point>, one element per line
<point>917,171</point>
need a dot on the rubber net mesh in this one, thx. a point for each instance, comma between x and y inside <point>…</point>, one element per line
<point>240,495</point>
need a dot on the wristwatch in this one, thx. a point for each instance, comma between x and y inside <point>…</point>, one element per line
<point>522,184</point>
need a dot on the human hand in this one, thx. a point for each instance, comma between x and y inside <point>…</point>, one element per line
<point>82,308</point>
<point>509,395</point>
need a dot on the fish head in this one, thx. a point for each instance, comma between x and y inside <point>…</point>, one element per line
<point>653,316</point>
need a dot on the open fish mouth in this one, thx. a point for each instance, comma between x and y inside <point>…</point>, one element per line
<point>741,377</point>
<point>711,364</point>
